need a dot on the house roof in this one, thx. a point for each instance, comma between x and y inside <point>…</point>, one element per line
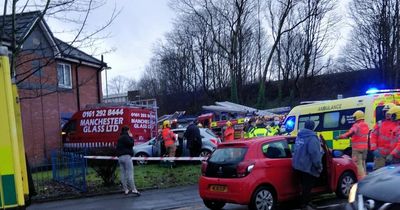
<point>26,22</point>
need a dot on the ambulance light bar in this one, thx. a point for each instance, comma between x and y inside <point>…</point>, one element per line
<point>375,90</point>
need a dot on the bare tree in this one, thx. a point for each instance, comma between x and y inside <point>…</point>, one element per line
<point>118,85</point>
<point>375,41</point>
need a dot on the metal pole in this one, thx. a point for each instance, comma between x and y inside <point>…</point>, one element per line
<point>106,83</point>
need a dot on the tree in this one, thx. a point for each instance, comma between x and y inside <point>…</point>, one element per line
<point>118,85</point>
<point>375,40</point>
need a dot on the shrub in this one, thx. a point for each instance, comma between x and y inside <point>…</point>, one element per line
<point>105,169</point>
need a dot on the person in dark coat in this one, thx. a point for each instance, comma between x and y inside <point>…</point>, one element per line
<point>193,137</point>
<point>125,153</point>
<point>307,161</point>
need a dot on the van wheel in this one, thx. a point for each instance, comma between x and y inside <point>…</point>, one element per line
<point>263,199</point>
<point>205,153</point>
<point>214,205</point>
<point>345,182</point>
<point>142,162</point>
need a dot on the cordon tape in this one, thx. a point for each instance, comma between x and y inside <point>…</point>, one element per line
<point>148,158</point>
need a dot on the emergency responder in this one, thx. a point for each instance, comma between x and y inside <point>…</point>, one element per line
<point>169,138</point>
<point>193,139</point>
<point>394,156</point>
<point>272,129</point>
<point>260,129</point>
<point>229,133</point>
<point>251,125</point>
<point>382,138</point>
<point>359,142</point>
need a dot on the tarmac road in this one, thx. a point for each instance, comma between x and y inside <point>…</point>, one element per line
<point>179,198</point>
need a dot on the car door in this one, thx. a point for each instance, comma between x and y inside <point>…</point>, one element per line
<point>278,167</point>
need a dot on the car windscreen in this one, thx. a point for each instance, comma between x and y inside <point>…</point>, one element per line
<point>230,155</point>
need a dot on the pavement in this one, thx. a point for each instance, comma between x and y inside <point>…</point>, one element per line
<point>178,198</point>
<point>170,198</point>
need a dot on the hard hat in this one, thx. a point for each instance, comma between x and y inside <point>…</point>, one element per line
<point>166,123</point>
<point>395,112</point>
<point>199,125</point>
<point>228,123</point>
<point>387,106</point>
<point>358,115</point>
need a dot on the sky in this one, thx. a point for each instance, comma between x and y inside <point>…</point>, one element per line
<point>138,27</point>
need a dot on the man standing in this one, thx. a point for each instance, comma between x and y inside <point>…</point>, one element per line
<point>307,161</point>
<point>229,133</point>
<point>193,139</point>
<point>394,156</point>
<point>260,129</point>
<point>359,142</point>
<point>382,137</point>
<point>169,138</point>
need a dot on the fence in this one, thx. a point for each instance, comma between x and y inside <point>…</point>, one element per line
<point>70,175</point>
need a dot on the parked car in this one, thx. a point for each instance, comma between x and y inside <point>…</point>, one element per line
<point>379,190</point>
<point>258,173</point>
<point>155,147</point>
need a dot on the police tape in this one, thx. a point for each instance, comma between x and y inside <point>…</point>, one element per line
<point>148,158</point>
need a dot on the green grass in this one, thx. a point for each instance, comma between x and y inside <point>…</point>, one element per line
<point>146,177</point>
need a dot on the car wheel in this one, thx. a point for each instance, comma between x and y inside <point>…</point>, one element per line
<point>205,153</point>
<point>214,205</point>
<point>344,184</point>
<point>263,199</point>
<point>142,162</point>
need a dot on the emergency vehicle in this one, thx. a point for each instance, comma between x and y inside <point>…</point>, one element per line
<point>100,125</point>
<point>210,121</point>
<point>334,117</point>
<point>14,189</point>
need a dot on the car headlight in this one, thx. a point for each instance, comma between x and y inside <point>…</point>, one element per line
<point>353,193</point>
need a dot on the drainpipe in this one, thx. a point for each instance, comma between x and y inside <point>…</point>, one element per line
<point>78,101</point>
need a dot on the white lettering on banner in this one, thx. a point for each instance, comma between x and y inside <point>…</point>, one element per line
<point>102,120</point>
<point>143,120</point>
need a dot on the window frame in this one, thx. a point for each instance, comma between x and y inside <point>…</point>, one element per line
<point>287,149</point>
<point>64,72</point>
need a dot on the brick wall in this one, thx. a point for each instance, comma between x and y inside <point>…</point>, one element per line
<point>42,105</point>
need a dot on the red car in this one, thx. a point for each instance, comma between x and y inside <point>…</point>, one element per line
<point>258,173</point>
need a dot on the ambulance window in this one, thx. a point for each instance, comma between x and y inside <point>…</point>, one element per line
<point>331,120</point>
<point>379,114</point>
<point>315,118</point>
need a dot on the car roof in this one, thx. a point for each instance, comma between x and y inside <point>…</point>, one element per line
<point>253,141</point>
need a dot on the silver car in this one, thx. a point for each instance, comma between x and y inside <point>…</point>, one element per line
<point>152,148</point>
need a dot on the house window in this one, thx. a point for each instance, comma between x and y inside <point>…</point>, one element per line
<point>64,75</point>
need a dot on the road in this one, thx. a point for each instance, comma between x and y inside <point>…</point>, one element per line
<point>179,198</point>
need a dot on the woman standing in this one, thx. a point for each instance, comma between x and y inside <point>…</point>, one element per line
<point>125,153</point>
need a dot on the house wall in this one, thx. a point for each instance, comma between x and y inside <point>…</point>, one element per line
<point>43,103</point>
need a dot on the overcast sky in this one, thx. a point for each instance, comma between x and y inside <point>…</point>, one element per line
<point>140,24</point>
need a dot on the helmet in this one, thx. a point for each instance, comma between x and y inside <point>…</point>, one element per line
<point>395,112</point>
<point>199,125</point>
<point>228,123</point>
<point>358,115</point>
<point>166,123</point>
<point>387,106</point>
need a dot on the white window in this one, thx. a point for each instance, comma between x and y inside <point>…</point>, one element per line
<point>64,75</point>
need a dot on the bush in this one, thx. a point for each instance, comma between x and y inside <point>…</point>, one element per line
<point>105,169</point>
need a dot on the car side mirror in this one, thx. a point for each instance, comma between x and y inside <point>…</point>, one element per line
<point>337,153</point>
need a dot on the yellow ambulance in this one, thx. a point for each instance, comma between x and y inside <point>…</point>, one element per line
<point>334,117</point>
<point>14,187</point>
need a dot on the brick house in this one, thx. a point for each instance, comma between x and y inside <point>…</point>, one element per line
<point>54,80</point>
